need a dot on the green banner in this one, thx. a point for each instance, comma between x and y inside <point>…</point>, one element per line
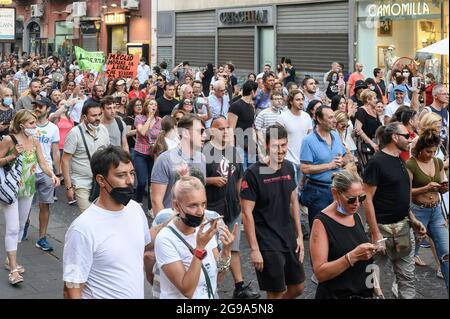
<point>89,61</point>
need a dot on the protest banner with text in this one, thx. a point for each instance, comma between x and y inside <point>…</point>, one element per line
<point>122,66</point>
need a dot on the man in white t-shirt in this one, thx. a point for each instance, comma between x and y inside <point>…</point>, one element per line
<point>400,93</point>
<point>48,135</point>
<point>143,71</point>
<point>298,124</point>
<point>104,247</point>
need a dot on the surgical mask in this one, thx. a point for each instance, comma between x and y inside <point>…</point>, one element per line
<point>30,131</point>
<point>340,209</point>
<point>372,87</point>
<point>121,195</point>
<point>406,74</point>
<point>191,220</point>
<point>334,78</point>
<point>8,101</point>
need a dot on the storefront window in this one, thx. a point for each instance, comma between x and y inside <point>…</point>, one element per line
<point>119,39</point>
<point>396,30</point>
<point>63,37</point>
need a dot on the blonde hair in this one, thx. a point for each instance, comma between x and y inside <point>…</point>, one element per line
<point>185,185</point>
<point>428,120</point>
<point>343,180</point>
<point>21,117</point>
<point>341,117</point>
<point>366,95</point>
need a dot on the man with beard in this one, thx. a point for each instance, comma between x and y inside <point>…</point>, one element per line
<point>262,100</point>
<point>388,188</point>
<point>48,135</point>
<point>21,79</point>
<point>81,143</point>
<point>25,102</point>
<point>97,94</point>
<point>355,76</point>
<point>310,90</point>
<point>104,247</point>
<point>271,216</point>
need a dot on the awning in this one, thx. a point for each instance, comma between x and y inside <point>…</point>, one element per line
<point>440,47</point>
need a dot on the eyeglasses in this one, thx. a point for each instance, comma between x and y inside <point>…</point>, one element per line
<point>405,135</point>
<point>352,199</point>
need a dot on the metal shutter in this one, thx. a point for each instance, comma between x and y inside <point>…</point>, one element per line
<point>165,54</point>
<point>90,42</point>
<point>237,45</point>
<point>313,35</point>
<point>195,37</point>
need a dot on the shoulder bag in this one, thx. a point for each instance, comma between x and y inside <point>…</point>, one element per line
<point>10,179</point>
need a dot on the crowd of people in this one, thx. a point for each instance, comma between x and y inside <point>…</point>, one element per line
<point>354,164</point>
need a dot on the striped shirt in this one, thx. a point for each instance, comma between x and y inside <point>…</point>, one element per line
<point>22,78</point>
<point>267,117</point>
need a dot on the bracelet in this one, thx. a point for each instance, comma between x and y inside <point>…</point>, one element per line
<point>347,256</point>
<point>223,264</point>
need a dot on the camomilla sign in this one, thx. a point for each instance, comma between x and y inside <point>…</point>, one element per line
<point>399,9</point>
<point>7,24</point>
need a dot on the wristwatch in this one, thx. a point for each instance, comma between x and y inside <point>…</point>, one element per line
<point>200,253</point>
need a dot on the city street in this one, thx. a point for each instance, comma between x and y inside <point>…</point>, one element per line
<point>43,277</point>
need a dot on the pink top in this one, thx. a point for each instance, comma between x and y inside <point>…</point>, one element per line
<point>64,125</point>
<point>352,81</point>
<point>143,143</point>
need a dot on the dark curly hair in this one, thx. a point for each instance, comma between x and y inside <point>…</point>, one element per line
<point>428,138</point>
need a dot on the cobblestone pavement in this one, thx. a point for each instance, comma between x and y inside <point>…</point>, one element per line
<point>43,277</point>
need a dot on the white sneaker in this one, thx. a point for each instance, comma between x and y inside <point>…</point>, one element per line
<point>395,289</point>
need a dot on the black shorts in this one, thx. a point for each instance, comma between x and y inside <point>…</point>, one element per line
<point>281,269</point>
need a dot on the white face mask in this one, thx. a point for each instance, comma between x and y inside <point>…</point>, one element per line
<point>29,131</point>
<point>91,127</point>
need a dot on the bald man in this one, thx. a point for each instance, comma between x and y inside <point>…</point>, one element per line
<point>219,102</point>
<point>355,76</point>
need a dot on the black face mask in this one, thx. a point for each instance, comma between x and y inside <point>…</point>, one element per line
<point>122,195</point>
<point>191,220</point>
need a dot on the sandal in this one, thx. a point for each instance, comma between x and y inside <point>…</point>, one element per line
<point>20,268</point>
<point>15,280</point>
<point>419,262</point>
<point>439,274</point>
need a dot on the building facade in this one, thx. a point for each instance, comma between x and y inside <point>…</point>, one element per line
<point>311,33</point>
<point>53,27</point>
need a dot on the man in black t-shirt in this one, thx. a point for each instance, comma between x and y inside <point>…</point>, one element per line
<point>167,102</point>
<point>388,189</point>
<point>241,117</point>
<point>223,179</point>
<point>290,72</point>
<point>271,216</point>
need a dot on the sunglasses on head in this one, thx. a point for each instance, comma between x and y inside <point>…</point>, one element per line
<point>405,135</point>
<point>352,199</point>
<point>187,102</point>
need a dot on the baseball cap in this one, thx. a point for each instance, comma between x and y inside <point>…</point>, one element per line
<point>400,88</point>
<point>42,101</point>
<point>120,82</point>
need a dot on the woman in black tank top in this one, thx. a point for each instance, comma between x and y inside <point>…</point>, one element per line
<point>340,250</point>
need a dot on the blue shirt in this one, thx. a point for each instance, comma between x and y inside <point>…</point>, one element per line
<point>316,151</point>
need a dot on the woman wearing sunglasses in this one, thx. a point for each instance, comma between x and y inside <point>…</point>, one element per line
<point>341,253</point>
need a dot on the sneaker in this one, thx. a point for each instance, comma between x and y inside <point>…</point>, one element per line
<point>55,198</point>
<point>395,289</point>
<point>246,292</point>
<point>43,244</point>
<point>305,232</point>
<point>25,230</point>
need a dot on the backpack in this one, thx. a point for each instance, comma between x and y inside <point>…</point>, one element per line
<point>120,125</point>
<point>10,179</point>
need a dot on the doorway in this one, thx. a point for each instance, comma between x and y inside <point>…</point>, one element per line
<point>266,41</point>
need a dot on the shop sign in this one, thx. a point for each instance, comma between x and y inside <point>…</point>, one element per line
<point>88,27</point>
<point>399,9</point>
<point>122,66</point>
<point>245,16</point>
<point>5,2</point>
<point>7,24</point>
<point>115,18</point>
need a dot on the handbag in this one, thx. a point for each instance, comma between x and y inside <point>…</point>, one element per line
<point>398,243</point>
<point>205,272</point>
<point>366,148</point>
<point>10,179</point>
<point>95,188</point>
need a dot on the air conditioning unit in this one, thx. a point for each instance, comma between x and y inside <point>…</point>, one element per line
<point>129,4</point>
<point>37,10</point>
<point>79,9</point>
